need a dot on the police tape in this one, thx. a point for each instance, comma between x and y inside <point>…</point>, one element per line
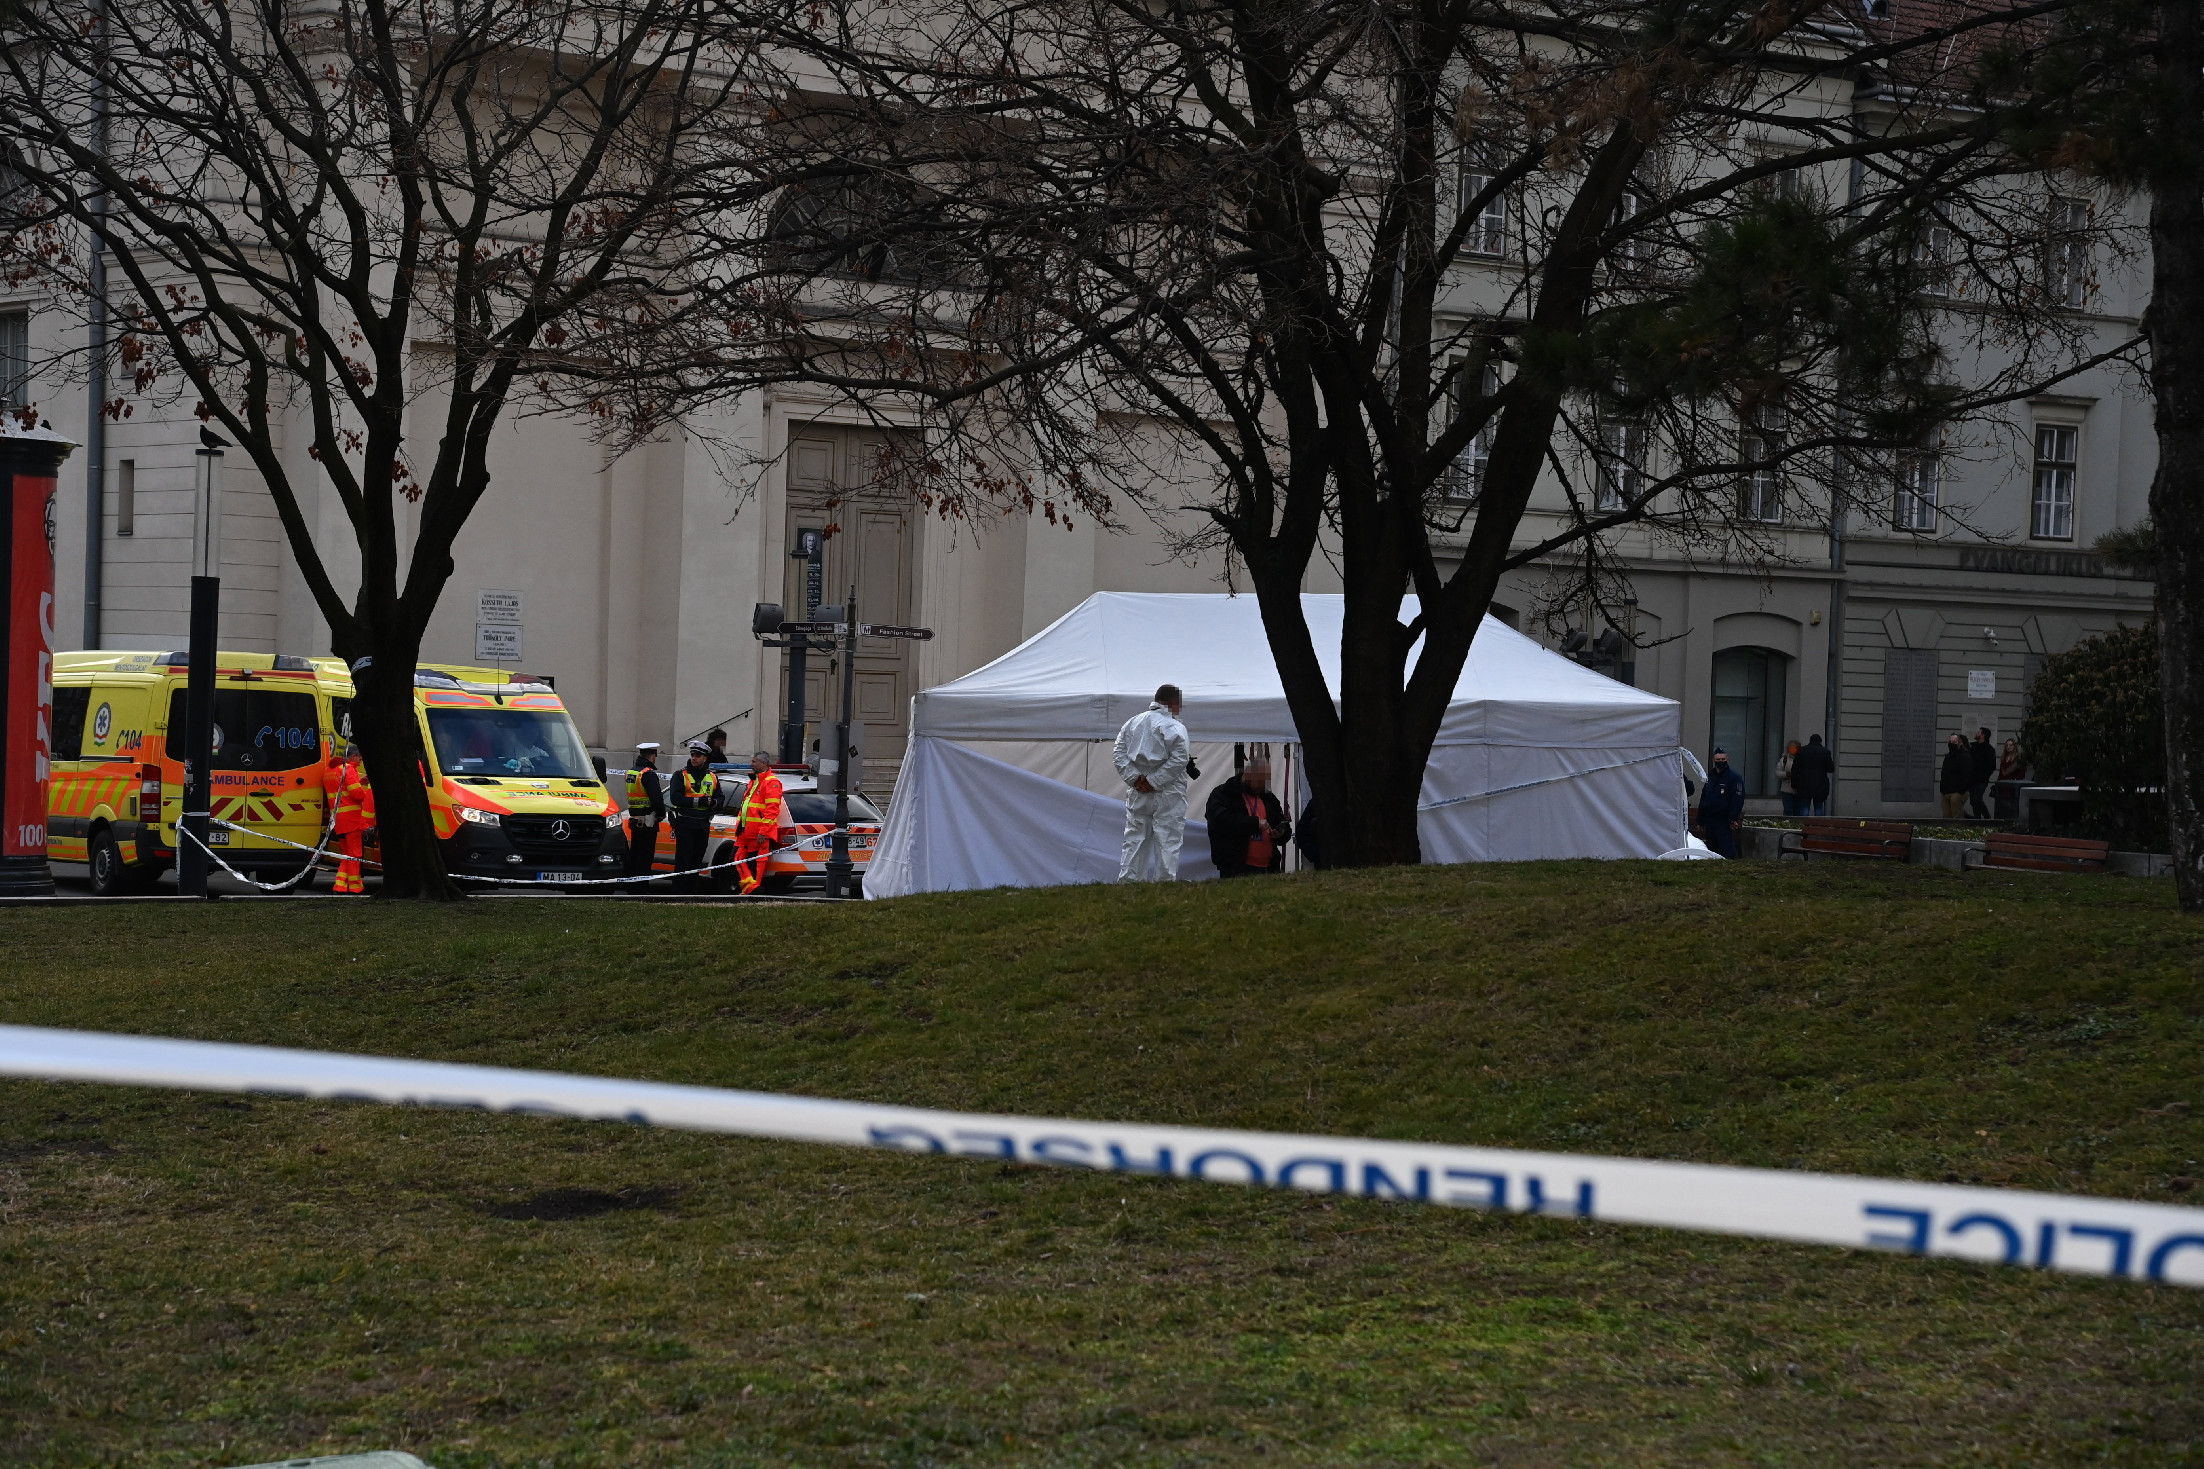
<point>513,882</point>
<point>2083,1235</point>
<point>306,869</point>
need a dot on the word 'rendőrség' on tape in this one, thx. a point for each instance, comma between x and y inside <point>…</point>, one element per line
<point>2084,1235</point>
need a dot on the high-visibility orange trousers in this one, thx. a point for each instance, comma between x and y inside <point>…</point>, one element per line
<point>750,859</point>
<point>348,863</point>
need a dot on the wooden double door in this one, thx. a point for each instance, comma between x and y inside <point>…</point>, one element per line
<point>834,485</point>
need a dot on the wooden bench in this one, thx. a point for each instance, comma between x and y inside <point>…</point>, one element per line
<point>1845,836</point>
<point>2024,851</point>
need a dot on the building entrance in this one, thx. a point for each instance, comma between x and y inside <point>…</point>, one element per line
<point>1748,713</point>
<point>833,485</point>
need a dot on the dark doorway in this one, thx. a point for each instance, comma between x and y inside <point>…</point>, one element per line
<point>1748,713</point>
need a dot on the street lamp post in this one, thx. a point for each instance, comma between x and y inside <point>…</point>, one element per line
<point>206,611</point>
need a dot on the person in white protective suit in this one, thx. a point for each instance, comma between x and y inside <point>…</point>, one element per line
<point>1155,760</point>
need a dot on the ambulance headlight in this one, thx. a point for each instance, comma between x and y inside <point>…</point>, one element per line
<point>478,817</point>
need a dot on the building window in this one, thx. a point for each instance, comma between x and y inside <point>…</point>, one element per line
<point>2068,263</point>
<point>1488,231</point>
<point>1920,478</point>
<point>1759,444</point>
<point>15,359</point>
<point>1465,477</point>
<point>1621,464</point>
<point>1633,252</point>
<point>126,497</point>
<point>2052,514</point>
<point>1932,256</point>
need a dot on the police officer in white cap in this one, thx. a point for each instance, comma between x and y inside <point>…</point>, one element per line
<point>695,796</point>
<point>646,808</point>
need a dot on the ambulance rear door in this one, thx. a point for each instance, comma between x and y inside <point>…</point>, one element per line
<point>267,775</point>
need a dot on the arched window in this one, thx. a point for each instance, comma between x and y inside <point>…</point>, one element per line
<point>873,226</point>
<point>1748,713</point>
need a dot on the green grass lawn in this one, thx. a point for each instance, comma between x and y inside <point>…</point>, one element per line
<point>206,1280</point>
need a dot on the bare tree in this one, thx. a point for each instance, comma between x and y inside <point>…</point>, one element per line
<point>1438,289</point>
<point>319,214</point>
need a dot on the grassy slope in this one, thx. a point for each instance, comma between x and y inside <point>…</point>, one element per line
<point>200,1280</point>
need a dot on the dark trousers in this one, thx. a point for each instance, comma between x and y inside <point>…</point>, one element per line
<point>642,848</point>
<point>1721,840</point>
<point>1978,804</point>
<point>688,852</point>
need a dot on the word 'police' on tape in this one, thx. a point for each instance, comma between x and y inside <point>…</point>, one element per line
<point>2088,1236</point>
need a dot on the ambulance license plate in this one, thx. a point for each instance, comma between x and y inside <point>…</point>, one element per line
<point>218,836</point>
<point>560,876</point>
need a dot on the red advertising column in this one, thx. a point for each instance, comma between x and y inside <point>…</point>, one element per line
<point>29,461</point>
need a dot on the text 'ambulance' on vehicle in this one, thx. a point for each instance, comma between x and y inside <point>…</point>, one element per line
<point>116,790</point>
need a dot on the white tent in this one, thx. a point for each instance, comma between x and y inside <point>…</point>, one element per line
<point>1008,780</point>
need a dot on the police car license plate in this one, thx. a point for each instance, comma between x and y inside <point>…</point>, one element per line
<point>560,876</point>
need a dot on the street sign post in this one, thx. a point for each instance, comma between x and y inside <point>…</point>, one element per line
<point>846,632</point>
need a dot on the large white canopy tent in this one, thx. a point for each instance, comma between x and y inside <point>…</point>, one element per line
<point>1008,781</point>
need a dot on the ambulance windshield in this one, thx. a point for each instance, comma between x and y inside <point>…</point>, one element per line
<point>509,742</point>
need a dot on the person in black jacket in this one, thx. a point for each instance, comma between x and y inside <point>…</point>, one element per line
<point>1957,777</point>
<point>1248,829</point>
<point>1983,754</point>
<point>1813,771</point>
<point>1722,806</point>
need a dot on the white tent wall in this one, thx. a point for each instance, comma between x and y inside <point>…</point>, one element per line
<point>1090,764</point>
<point>1009,780</point>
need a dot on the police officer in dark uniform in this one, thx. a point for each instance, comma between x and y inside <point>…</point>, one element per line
<point>693,798</point>
<point>646,808</point>
<point>1722,806</point>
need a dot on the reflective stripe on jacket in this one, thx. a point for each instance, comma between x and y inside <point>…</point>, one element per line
<point>695,795</point>
<point>761,808</point>
<point>646,795</point>
<point>355,800</point>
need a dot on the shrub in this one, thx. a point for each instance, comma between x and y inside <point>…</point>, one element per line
<point>2096,713</point>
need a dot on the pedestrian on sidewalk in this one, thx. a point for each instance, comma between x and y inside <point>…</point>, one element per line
<point>1956,778</point>
<point>1984,756</point>
<point>1813,774</point>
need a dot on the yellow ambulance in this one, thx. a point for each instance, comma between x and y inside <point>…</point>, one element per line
<point>511,786</point>
<point>117,786</point>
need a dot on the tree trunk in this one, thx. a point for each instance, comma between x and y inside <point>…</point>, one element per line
<point>388,732</point>
<point>2176,327</point>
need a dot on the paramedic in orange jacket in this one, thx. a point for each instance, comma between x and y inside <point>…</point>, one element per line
<point>760,822</point>
<point>355,817</point>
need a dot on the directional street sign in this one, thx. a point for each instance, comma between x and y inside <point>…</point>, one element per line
<point>866,629</point>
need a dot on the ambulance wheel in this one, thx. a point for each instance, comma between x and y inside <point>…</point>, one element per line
<point>111,876</point>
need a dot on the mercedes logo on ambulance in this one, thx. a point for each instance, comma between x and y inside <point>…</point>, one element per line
<point>562,830</point>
